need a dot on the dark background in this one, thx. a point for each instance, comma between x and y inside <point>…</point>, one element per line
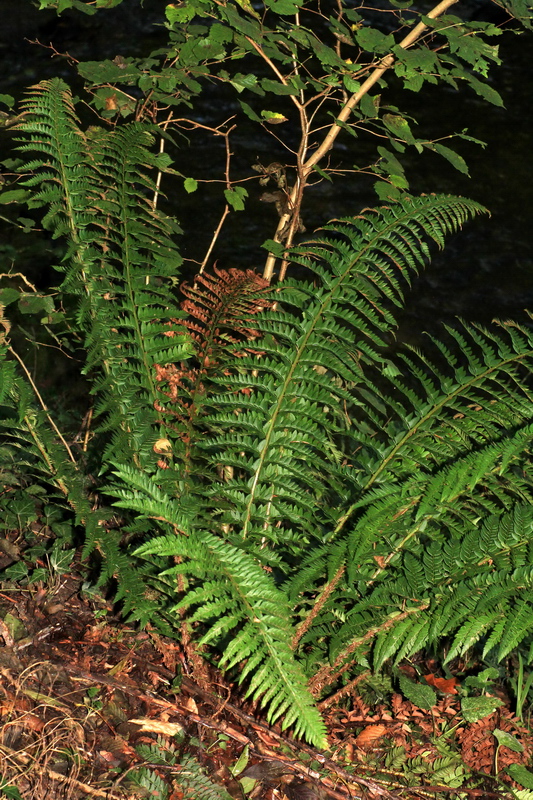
<point>485,271</point>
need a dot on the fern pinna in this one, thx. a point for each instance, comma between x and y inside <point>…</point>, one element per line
<point>322,502</point>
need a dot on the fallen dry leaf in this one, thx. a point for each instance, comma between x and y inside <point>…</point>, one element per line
<point>156,726</point>
<point>370,735</point>
<point>446,685</point>
<point>190,704</point>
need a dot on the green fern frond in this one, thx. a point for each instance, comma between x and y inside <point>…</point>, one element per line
<point>233,595</point>
<point>195,784</point>
<point>282,411</point>
<point>120,257</point>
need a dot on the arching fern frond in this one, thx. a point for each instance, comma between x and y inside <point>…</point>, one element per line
<point>232,596</point>
<point>283,411</point>
<point>120,256</point>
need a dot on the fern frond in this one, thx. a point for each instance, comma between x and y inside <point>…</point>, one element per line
<point>120,257</point>
<point>219,309</point>
<point>233,595</point>
<point>283,411</point>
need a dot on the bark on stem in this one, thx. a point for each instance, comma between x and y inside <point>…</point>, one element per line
<point>336,128</point>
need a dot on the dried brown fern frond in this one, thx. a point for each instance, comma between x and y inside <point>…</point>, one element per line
<point>219,308</point>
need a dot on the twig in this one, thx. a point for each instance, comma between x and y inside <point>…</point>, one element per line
<point>164,126</point>
<point>304,626</point>
<point>333,699</point>
<point>328,674</point>
<point>43,404</point>
<point>334,130</point>
<point>24,758</point>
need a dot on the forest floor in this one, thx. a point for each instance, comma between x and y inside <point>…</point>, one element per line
<point>91,707</point>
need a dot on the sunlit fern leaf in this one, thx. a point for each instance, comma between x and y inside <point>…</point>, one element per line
<point>283,409</point>
<point>231,593</point>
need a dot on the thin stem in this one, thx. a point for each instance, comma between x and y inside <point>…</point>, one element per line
<point>328,674</point>
<point>333,699</point>
<point>304,626</point>
<point>226,207</point>
<point>214,238</point>
<point>385,64</point>
<point>295,196</point>
<point>279,75</point>
<point>42,403</point>
<point>159,173</point>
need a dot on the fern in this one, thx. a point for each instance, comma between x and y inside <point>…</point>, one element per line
<point>273,414</point>
<point>314,501</point>
<point>119,265</point>
<point>231,588</point>
<point>388,477</point>
<point>188,774</point>
<point>219,309</point>
<point>195,784</point>
<point>120,257</point>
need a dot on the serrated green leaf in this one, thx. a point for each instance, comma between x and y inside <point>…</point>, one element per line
<point>454,158</point>
<point>421,695</point>
<point>35,304</point>
<point>284,6</point>
<point>250,113</point>
<point>190,185</point>
<point>322,173</point>
<point>399,127</point>
<point>8,296</point>
<point>241,82</point>
<point>485,91</point>
<point>374,41</point>
<point>350,84</point>
<point>276,87</point>
<point>273,247</point>
<point>387,191</point>
<point>235,197</point>
<point>475,708</point>
<point>369,107</point>
<point>123,71</point>
<point>521,775</point>
<point>13,196</point>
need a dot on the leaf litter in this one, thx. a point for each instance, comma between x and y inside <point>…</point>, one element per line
<point>92,707</point>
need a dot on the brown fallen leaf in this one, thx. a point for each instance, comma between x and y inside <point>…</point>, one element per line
<point>156,726</point>
<point>446,685</point>
<point>370,735</point>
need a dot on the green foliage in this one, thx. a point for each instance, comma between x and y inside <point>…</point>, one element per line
<point>419,694</point>
<point>188,775</point>
<point>307,498</point>
<point>301,72</point>
<point>446,770</point>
